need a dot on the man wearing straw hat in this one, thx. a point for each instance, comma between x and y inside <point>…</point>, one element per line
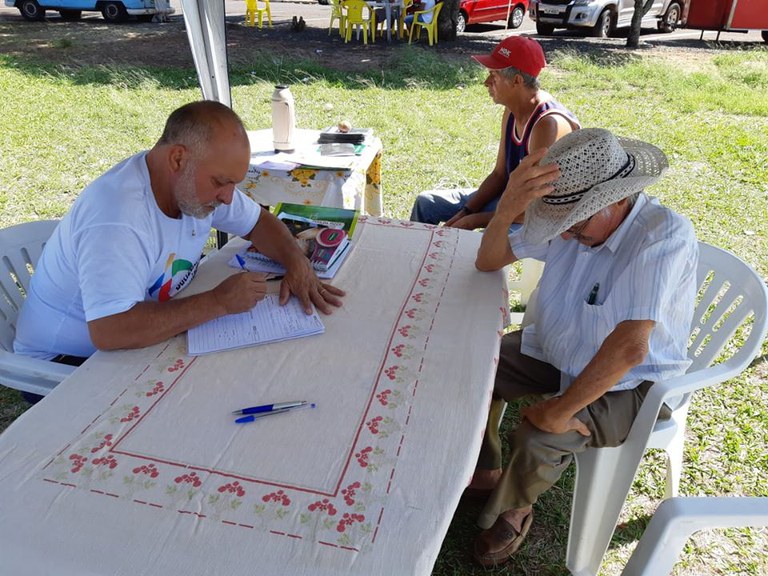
<point>613,313</point>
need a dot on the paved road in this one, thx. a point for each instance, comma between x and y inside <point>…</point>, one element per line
<point>318,15</point>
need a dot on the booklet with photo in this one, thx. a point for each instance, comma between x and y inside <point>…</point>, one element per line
<point>322,233</point>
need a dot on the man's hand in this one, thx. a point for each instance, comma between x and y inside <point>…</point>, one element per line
<point>547,416</point>
<point>469,221</point>
<point>241,292</point>
<point>529,181</point>
<point>301,280</point>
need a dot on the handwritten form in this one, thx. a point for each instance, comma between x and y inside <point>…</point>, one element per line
<point>265,322</point>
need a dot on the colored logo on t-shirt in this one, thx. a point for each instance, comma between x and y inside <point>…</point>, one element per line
<point>177,274</point>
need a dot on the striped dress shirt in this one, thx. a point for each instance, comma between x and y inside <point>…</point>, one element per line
<point>646,270</point>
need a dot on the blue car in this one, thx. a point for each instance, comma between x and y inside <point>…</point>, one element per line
<point>111,10</point>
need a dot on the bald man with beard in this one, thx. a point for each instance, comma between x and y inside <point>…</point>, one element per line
<point>108,276</point>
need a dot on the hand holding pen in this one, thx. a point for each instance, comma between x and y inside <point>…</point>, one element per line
<point>241,292</point>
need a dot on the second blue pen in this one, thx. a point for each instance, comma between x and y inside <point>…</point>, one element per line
<point>270,407</point>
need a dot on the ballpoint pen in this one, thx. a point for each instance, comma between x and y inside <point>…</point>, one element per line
<point>270,407</point>
<point>252,417</point>
<point>593,294</point>
<point>241,261</point>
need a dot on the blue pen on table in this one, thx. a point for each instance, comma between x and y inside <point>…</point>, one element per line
<point>593,294</point>
<point>252,417</point>
<point>270,407</point>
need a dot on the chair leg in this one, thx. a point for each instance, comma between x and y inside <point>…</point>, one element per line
<point>269,16</point>
<point>603,480</point>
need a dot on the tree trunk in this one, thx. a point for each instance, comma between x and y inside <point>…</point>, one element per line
<point>446,23</point>
<point>641,9</point>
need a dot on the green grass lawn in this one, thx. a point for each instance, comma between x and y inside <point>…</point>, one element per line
<point>64,126</point>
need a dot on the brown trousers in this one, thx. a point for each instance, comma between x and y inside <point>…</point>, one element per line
<point>538,458</point>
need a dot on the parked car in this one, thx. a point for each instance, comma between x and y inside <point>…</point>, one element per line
<point>111,10</point>
<point>601,17</point>
<point>475,11</point>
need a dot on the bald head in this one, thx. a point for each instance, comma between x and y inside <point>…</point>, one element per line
<point>196,125</point>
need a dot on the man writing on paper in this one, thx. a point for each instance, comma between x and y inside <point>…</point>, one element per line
<point>133,239</point>
<point>532,119</point>
<point>612,316</point>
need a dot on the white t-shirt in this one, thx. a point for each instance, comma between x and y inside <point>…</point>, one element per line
<point>115,248</point>
<point>646,270</point>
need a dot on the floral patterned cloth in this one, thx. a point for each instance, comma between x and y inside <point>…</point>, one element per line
<point>143,442</point>
<point>357,188</point>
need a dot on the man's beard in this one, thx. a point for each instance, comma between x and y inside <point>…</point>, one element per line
<point>186,195</point>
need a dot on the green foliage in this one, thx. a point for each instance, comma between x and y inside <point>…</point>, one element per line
<point>64,126</point>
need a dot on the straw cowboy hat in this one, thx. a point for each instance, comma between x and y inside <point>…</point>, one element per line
<point>597,169</point>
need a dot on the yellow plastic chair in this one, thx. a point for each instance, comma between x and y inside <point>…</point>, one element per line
<point>337,14</point>
<point>402,27</point>
<point>257,8</point>
<point>354,18</point>
<point>430,27</point>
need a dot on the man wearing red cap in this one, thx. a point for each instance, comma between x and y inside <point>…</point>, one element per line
<point>532,119</point>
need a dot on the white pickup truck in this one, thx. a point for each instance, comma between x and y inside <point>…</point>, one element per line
<point>601,17</point>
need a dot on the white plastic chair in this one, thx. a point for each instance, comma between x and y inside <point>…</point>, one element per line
<point>730,290</point>
<point>677,519</point>
<point>20,248</point>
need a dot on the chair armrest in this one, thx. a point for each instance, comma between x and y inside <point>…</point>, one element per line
<point>31,374</point>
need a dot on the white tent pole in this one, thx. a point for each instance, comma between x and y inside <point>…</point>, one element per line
<point>206,30</point>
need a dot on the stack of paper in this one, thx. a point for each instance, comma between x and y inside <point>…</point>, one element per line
<point>265,322</point>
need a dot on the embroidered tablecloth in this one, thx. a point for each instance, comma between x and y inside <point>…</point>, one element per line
<point>358,187</point>
<point>133,465</point>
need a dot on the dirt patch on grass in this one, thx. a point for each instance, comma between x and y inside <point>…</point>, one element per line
<point>92,41</point>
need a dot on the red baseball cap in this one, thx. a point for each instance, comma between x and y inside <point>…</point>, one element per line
<point>519,52</point>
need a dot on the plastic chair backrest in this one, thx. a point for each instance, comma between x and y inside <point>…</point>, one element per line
<point>355,9</point>
<point>730,294</point>
<point>431,27</point>
<point>676,519</point>
<point>20,248</point>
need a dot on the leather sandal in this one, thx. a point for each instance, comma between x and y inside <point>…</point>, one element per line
<point>501,533</point>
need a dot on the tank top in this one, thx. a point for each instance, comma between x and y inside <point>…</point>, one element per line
<point>518,149</point>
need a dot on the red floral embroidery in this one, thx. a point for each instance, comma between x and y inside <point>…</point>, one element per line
<point>178,365</point>
<point>429,267</point>
<point>191,478</point>
<point>438,243</point>
<point>348,520</point>
<point>411,313</point>
<point>159,387</point>
<point>232,488</point>
<point>323,505</point>
<point>418,296</point>
<point>424,282</point>
<point>362,456</point>
<point>134,413</point>
<point>434,255</point>
<point>350,492</point>
<point>384,221</point>
<point>441,232</point>
<point>105,461</point>
<point>405,330</point>
<point>398,350</point>
<point>406,224</point>
<point>391,372</point>
<point>280,497</point>
<point>383,397</point>
<point>106,442</point>
<point>373,424</point>
<point>77,462</point>
<point>149,469</point>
